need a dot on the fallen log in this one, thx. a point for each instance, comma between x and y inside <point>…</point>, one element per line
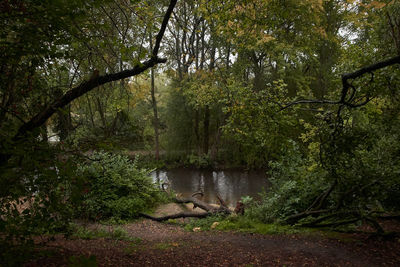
<point>209,210</point>
<point>177,215</point>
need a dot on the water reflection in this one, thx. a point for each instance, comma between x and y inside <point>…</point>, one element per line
<point>231,185</point>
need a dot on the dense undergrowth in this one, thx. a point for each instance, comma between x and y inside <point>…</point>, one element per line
<point>100,187</point>
<point>116,188</point>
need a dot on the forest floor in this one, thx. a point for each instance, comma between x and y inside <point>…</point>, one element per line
<point>152,243</point>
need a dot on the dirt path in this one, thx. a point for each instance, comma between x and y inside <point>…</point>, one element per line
<point>159,244</point>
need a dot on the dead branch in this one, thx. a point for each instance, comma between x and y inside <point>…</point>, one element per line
<point>375,224</point>
<point>319,220</point>
<point>320,200</point>
<point>209,210</point>
<point>352,191</point>
<point>201,193</point>
<point>221,201</point>
<point>202,205</point>
<point>333,224</point>
<point>176,216</point>
<point>296,217</point>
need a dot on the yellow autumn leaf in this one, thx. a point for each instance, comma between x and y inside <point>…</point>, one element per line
<point>377,4</point>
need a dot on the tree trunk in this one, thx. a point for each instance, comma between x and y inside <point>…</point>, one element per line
<point>196,130</point>
<point>90,111</point>
<point>206,129</point>
<point>155,111</point>
<point>101,113</point>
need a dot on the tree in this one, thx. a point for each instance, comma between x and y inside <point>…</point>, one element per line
<point>56,28</point>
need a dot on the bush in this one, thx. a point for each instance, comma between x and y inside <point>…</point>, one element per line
<point>32,199</point>
<point>116,187</point>
<point>295,182</point>
<point>199,161</point>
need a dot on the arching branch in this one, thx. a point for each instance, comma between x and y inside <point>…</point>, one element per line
<point>346,86</point>
<point>96,81</point>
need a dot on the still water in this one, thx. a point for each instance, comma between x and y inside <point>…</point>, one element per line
<point>231,185</point>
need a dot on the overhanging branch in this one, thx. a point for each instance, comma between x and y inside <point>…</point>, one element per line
<point>371,68</point>
<point>96,81</point>
<point>346,86</point>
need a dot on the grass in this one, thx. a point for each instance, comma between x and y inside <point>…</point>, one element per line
<point>134,246</point>
<point>243,224</point>
<point>116,233</point>
<point>205,223</point>
<point>259,228</point>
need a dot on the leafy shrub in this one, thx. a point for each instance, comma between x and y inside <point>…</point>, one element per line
<point>116,187</point>
<point>199,161</point>
<point>33,199</point>
<point>295,183</point>
<point>362,164</point>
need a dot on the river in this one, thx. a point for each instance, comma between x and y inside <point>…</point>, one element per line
<point>231,185</point>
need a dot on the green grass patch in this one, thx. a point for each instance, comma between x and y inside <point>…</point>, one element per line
<point>134,246</point>
<point>116,233</point>
<point>162,246</point>
<point>247,226</point>
<point>243,224</point>
<point>205,223</point>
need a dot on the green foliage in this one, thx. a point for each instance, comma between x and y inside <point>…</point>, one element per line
<point>249,225</point>
<point>115,233</point>
<point>116,187</point>
<point>202,161</point>
<point>204,223</point>
<point>178,118</point>
<point>295,183</point>
<point>134,245</point>
<point>227,85</point>
<point>242,224</point>
<point>37,196</point>
<point>254,131</point>
<point>246,200</point>
<point>358,161</point>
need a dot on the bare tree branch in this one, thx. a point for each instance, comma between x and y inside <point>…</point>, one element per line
<point>163,27</point>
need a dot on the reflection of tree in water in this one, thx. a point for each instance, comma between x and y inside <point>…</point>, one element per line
<point>230,185</point>
<point>159,177</point>
<point>200,184</point>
